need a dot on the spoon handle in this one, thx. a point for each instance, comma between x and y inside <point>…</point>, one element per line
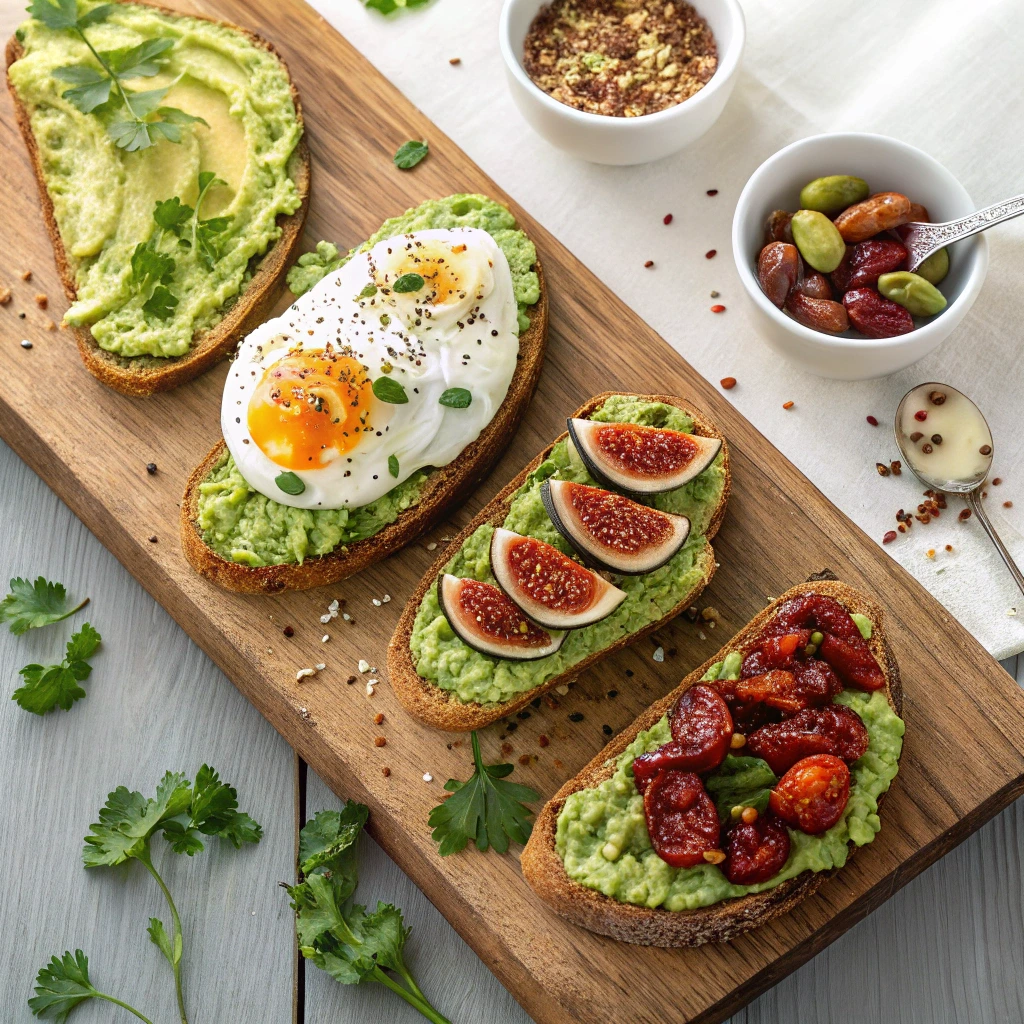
<point>929,238</point>
<point>974,501</point>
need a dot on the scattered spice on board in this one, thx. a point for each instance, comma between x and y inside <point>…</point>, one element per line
<point>718,309</point>
<point>728,383</point>
<point>5,296</point>
<point>649,264</point>
<point>788,405</point>
<point>710,254</point>
<point>42,301</point>
<point>667,219</point>
<point>454,60</point>
<point>380,741</point>
<point>576,716</point>
<point>712,191</point>
<point>542,740</point>
<point>872,421</point>
<point>26,344</point>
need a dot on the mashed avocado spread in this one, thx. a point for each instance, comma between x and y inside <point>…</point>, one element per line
<point>602,832</point>
<point>444,660</point>
<point>104,196</point>
<point>244,526</point>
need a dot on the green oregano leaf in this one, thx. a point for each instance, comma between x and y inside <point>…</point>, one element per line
<point>410,154</point>
<point>289,483</point>
<point>368,291</point>
<point>409,283</point>
<point>456,398</point>
<point>393,465</point>
<point>390,391</point>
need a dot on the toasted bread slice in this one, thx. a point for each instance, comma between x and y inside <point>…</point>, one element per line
<point>444,487</point>
<point>442,709</point>
<point>146,375</point>
<point>545,872</point>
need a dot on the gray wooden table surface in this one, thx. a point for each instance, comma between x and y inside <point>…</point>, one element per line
<point>944,949</point>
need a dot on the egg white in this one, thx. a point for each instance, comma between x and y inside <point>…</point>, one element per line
<point>471,345</point>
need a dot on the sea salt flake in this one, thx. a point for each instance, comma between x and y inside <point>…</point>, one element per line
<point>659,654</point>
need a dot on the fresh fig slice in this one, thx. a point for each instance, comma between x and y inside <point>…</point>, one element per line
<point>484,618</point>
<point>611,531</point>
<point>552,589</point>
<point>639,459</point>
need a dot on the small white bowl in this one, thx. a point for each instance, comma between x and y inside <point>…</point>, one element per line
<point>887,165</point>
<point>604,139</point>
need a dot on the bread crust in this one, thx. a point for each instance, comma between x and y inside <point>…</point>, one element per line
<point>444,487</point>
<point>139,376</point>
<point>440,708</point>
<point>545,872</point>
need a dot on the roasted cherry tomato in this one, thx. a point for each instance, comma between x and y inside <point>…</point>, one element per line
<point>756,852</point>
<point>701,723</point>
<point>816,612</point>
<point>681,819</point>
<point>774,652</point>
<point>834,729</point>
<point>812,795</point>
<point>853,661</point>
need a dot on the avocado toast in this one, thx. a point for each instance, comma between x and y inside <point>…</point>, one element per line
<point>245,541</point>
<point>444,682</point>
<point>625,890</point>
<point>172,243</point>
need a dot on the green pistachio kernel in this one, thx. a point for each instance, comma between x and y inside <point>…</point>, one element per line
<point>833,193</point>
<point>863,624</point>
<point>818,240</point>
<point>916,295</point>
<point>936,267</point>
<point>731,665</point>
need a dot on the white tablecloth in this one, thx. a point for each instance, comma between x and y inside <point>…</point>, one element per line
<point>942,75</point>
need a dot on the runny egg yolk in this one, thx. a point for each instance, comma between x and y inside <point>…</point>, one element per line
<point>310,407</point>
<point>451,274</point>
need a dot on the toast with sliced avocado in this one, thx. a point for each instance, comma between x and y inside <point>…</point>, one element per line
<point>173,178</point>
<point>733,797</point>
<point>526,596</point>
<point>241,529</point>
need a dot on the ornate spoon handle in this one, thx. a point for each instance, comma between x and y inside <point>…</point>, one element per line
<point>924,239</point>
<point>973,499</point>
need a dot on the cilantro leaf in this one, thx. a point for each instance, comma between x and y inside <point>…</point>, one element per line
<point>63,984</point>
<point>486,810</point>
<point>52,686</point>
<point>410,154</point>
<point>142,61</point>
<point>740,781</point>
<point>170,214</point>
<point>30,605</point>
<point>161,303</point>
<point>60,15</point>
<point>339,936</point>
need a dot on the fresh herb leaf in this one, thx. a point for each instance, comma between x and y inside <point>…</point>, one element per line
<point>161,303</point>
<point>337,935</point>
<point>150,267</point>
<point>368,291</point>
<point>53,686</point>
<point>741,781</point>
<point>140,61</point>
<point>130,135</point>
<point>64,983</point>
<point>486,809</point>
<point>90,88</point>
<point>181,811</point>
<point>456,398</point>
<point>170,214</point>
<point>30,605</point>
<point>60,15</point>
<point>390,391</point>
<point>204,232</point>
<point>410,154</point>
<point>408,283</point>
<point>390,6</point>
<point>290,483</point>
<point>393,465</point>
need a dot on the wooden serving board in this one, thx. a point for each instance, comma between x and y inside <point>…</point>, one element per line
<point>964,754</point>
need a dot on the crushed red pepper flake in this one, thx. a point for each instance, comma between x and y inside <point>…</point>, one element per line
<point>386,772</point>
<point>380,741</point>
<point>649,263</point>
<point>712,191</point>
<point>710,254</point>
<point>889,537</point>
<point>667,219</point>
<point>872,420</point>
<point>378,719</point>
<point>965,514</point>
<point>728,383</point>
<point>542,740</point>
<point>1007,504</point>
<point>525,759</point>
<point>506,748</point>
<point>718,308</point>
<point>788,405</point>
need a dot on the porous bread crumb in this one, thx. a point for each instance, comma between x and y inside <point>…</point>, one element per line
<point>5,296</point>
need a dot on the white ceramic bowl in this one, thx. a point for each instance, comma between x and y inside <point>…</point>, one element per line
<point>623,140</point>
<point>887,165</point>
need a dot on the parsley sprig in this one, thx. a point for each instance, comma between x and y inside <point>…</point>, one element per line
<point>153,269</point>
<point>30,605</point>
<point>51,686</point>
<point>486,809</point>
<point>64,983</point>
<point>337,935</point>
<point>182,812</point>
<point>147,118</point>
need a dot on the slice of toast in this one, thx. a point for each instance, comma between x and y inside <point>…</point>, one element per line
<point>543,868</point>
<point>441,708</point>
<point>146,375</point>
<point>444,487</point>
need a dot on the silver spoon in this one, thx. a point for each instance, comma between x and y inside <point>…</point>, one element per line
<point>921,240</point>
<point>959,461</point>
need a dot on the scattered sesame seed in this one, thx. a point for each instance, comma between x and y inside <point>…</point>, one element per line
<point>26,343</point>
<point>561,689</point>
<point>305,673</point>
<point>427,777</point>
<point>325,638</point>
<point>320,666</point>
<point>432,546</point>
<point>385,599</point>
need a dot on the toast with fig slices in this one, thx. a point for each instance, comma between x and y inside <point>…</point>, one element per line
<point>442,708</point>
<point>139,376</point>
<point>544,868</point>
